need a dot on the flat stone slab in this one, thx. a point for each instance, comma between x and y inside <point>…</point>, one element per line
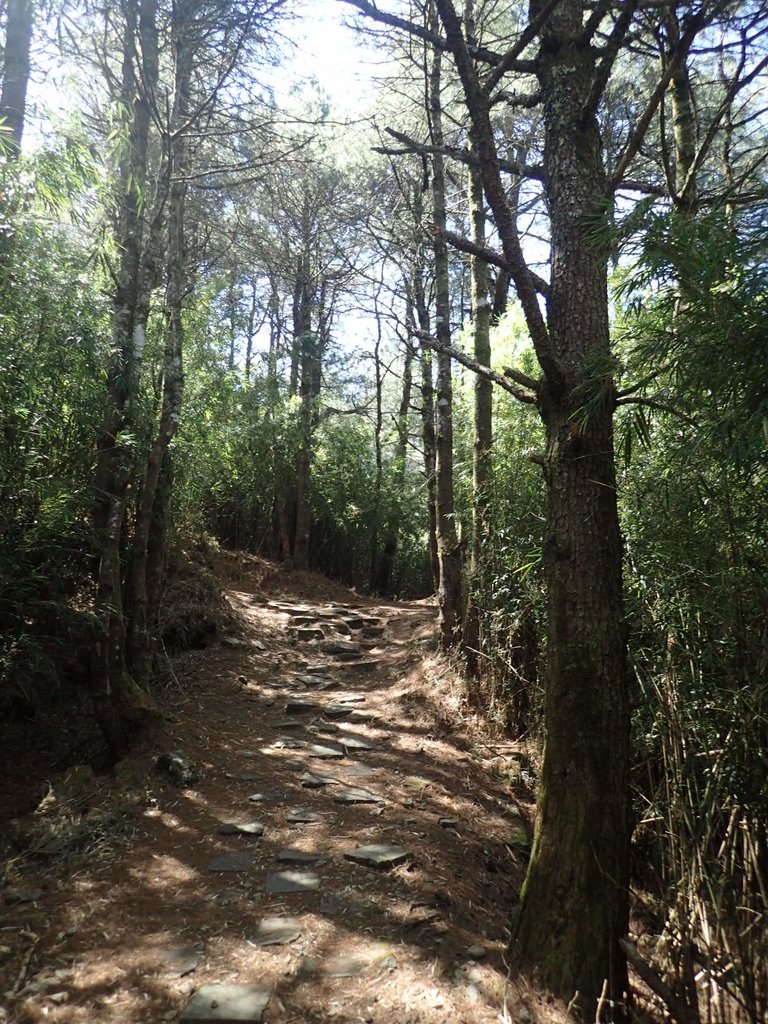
<point>303,816</point>
<point>180,961</point>
<point>356,743</point>
<point>373,632</point>
<point>325,727</point>
<point>277,931</point>
<point>448,822</point>
<point>299,857</point>
<point>378,855</point>
<point>344,967</point>
<point>313,682</point>
<point>270,796</point>
<point>318,670</point>
<point>358,771</point>
<point>342,647</point>
<point>324,751</point>
<point>232,862</point>
<point>240,828</point>
<point>307,633</point>
<point>300,707</point>
<point>355,795</point>
<point>303,620</point>
<point>227,1004</point>
<point>336,711</point>
<point>316,780</point>
<point>353,621</point>
<point>291,881</point>
<point>242,776</point>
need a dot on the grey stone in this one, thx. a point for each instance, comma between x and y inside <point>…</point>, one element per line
<point>476,952</point>
<point>325,727</point>
<point>227,1004</point>
<point>342,647</point>
<point>277,931</point>
<point>355,743</point>
<point>372,632</point>
<point>308,966</point>
<point>339,609</point>
<point>378,855</point>
<point>316,780</point>
<point>350,698</point>
<point>313,682</point>
<point>232,641</point>
<point>290,724</point>
<point>349,655</point>
<point>318,670</point>
<point>358,771</point>
<point>303,816</point>
<point>232,862</point>
<point>180,961</point>
<point>243,776</point>
<point>245,828</point>
<point>344,967</point>
<point>336,711</point>
<point>328,904</point>
<point>270,796</point>
<point>325,752</point>
<point>291,881</point>
<point>295,610</point>
<point>448,822</point>
<point>354,795</point>
<point>300,707</point>
<point>179,768</point>
<point>288,742</point>
<point>342,628</point>
<point>307,633</point>
<point>303,620</point>
<point>299,857</point>
<point>353,621</point>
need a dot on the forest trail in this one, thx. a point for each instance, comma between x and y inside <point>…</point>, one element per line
<point>323,718</point>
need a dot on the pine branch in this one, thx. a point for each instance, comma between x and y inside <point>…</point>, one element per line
<point>478,368</point>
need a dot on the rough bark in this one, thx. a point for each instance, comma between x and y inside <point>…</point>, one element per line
<point>119,704</point>
<point>483,431</point>
<point>449,594</point>
<point>15,74</point>
<point>141,638</point>
<point>574,904</point>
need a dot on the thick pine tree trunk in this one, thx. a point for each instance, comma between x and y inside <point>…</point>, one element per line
<point>15,73</point>
<point>574,904</point>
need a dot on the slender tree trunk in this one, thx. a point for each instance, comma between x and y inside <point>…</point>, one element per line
<point>449,594</point>
<point>378,426</point>
<point>483,422</point>
<point>307,343</point>
<point>427,423</point>
<point>15,74</point>
<point>118,702</point>
<point>143,617</point>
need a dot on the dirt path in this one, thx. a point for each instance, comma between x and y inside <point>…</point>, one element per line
<point>325,720</point>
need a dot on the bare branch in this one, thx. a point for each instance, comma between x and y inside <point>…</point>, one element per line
<point>465,156</point>
<point>527,36</point>
<point>472,364</point>
<point>659,406</point>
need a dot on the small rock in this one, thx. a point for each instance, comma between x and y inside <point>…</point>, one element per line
<point>299,857</point>
<point>344,967</point>
<point>179,768</point>
<point>328,904</point>
<point>325,752</point>
<point>180,961</point>
<point>277,931</point>
<point>302,816</point>
<point>476,952</point>
<point>291,881</point>
<point>378,855</point>
<point>448,822</point>
<point>228,1004</point>
<point>316,780</point>
<point>232,641</point>
<point>307,633</point>
<point>232,862</point>
<point>353,795</point>
<point>236,828</point>
<point>337,647</point>
<point>274,796</point>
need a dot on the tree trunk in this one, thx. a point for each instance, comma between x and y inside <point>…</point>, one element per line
<point>449,594</point>
<point>141,640</point>
<point>574,903</point>
<point>118,703</point>
<point>427,425</point>
<point>15,74</point>
<point>483,421</point>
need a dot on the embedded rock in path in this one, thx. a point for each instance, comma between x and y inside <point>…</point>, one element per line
<point>378,855</point>
<point>180,961</point>
<point>314,682</point>
<point>353,621</point>
<point>299,857</point>
<point>300,707</point>
<point>328,728</point>
<point>355,795</point>
<point>232,862</point>
<point>336,711</point>
<point>303,816</point>
<point>316,780</point>
<point>277,931</point>
<point>295,610</point>
<point>372,632</point>
<point>339,647</point>
<point>245,828</point>
<point>306,633</point>
<point>344,967</point>
<point>324,752</point>
<point>291,881</point>
<point>272,796</point>
<point>179,768</point>
<point>342,628</point>
<point>448,823</point>
<point>227,1004</point>
<point>355,743</point>
<point>303,620</point>
<point>318,670</point>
